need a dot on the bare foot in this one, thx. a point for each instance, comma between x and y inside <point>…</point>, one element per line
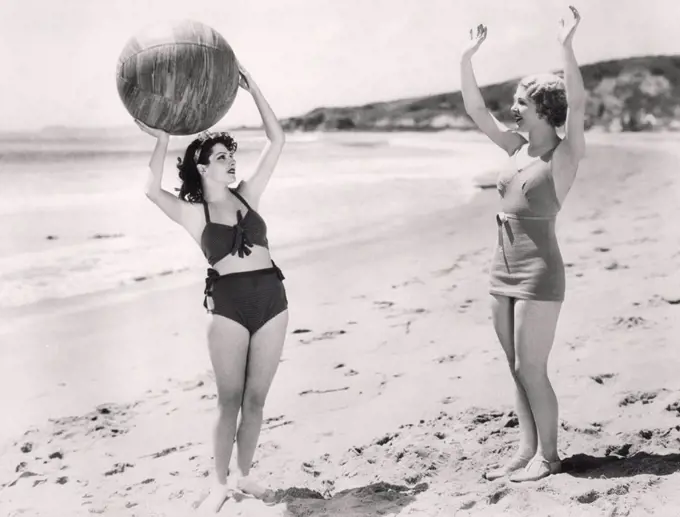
<point>216,498</point>
<point>249,486</point>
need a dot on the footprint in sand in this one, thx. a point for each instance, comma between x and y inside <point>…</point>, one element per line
<point>274,422</point>
<point>445,271</point>
<point>602,377</point>
<point>497,495</point>
<point>643,397</point>
<point>408,282</point>
<point>675,406</point>
<point>169,450</point>
<point>386,304</point>
<point>646,434</point>
<point>490,416</point>
<point>330,334</point>
<point>118,468</point>
<point>618,450</point>
<point>450,358</point>
<point>594,429</point>
<point>321,392</point>
<point>309,468</point>
<point>629,322</point>
<point>408,312</point>
<point>588,498</point>
<point>613,265</point>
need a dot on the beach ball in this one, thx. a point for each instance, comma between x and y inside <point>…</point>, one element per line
<point>181,77</point>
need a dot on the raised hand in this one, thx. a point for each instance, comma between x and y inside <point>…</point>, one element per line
<point>245,81</point>
<point>476,40</point>
<point>158,133</point>
<point>568,28</point>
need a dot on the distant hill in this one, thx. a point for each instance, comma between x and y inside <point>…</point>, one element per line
<point>634,94</point>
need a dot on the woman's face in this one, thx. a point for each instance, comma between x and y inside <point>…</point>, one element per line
<point>221,166</point>
<point>524,110</point>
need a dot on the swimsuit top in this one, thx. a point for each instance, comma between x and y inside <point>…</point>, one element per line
<point>529,191</point>
<point>219,240</point>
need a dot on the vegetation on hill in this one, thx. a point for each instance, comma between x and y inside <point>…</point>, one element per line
<point>634,94</point>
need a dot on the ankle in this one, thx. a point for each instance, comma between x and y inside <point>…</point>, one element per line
<point>552,457</point>
<point>240,473</point>
<point>526,452</point>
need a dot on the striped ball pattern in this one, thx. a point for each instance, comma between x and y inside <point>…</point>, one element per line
<point>181,78</point>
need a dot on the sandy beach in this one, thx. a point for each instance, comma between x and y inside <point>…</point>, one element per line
<point>393,395</point>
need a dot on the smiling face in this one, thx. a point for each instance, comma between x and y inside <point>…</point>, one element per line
<point>524,110</point>
<point>540,100</point>
<point>221,166</point>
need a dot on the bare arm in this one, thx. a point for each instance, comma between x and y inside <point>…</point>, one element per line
<point>255,185</point>
<point>176,209</point>
<point>574,140</point>
<point>501,135</point>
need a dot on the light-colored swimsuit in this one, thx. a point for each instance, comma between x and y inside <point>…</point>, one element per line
<point>527,263</point>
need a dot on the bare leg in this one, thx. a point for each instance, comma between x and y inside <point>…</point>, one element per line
<point>266,346</point>
<point>502,309</point>
<point>228,345</point>
<point>536,322</point>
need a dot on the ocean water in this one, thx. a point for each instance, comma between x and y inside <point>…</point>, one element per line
<point>74,218</point>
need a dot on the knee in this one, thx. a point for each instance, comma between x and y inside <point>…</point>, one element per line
<point>529,372</point>
<point>229,400</point>
<point>253,402</point>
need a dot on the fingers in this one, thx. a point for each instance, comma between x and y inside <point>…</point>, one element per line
<point>480,33</point>
<point>141,125</point>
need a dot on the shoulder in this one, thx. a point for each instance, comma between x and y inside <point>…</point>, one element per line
<point>564,154</point>
<point>245,191</point>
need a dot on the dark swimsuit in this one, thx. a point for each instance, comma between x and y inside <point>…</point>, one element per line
<point>250,298</point>
<point>527,263</point>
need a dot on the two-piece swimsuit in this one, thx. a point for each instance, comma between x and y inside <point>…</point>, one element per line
<point>250,298</point>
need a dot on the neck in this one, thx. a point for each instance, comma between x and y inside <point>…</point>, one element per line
<point>543,138</point>
<point>214,192</point>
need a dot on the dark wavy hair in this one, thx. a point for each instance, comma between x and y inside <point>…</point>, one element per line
<point>192,186</point>
<point>548,93</point>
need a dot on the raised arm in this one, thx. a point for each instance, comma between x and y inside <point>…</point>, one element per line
<point>254,186</point>
<point>574,140</point>
<point>175,208</point>
<point>500,134</point>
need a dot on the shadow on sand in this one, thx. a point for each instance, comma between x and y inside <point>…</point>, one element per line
<point>375,499</point>
<point>586,466</point>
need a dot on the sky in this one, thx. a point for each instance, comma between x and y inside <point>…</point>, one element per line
<point>58,57</point>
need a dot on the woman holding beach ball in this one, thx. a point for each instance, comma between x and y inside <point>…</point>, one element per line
<point>244,290</point>
<point>527,273</point>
